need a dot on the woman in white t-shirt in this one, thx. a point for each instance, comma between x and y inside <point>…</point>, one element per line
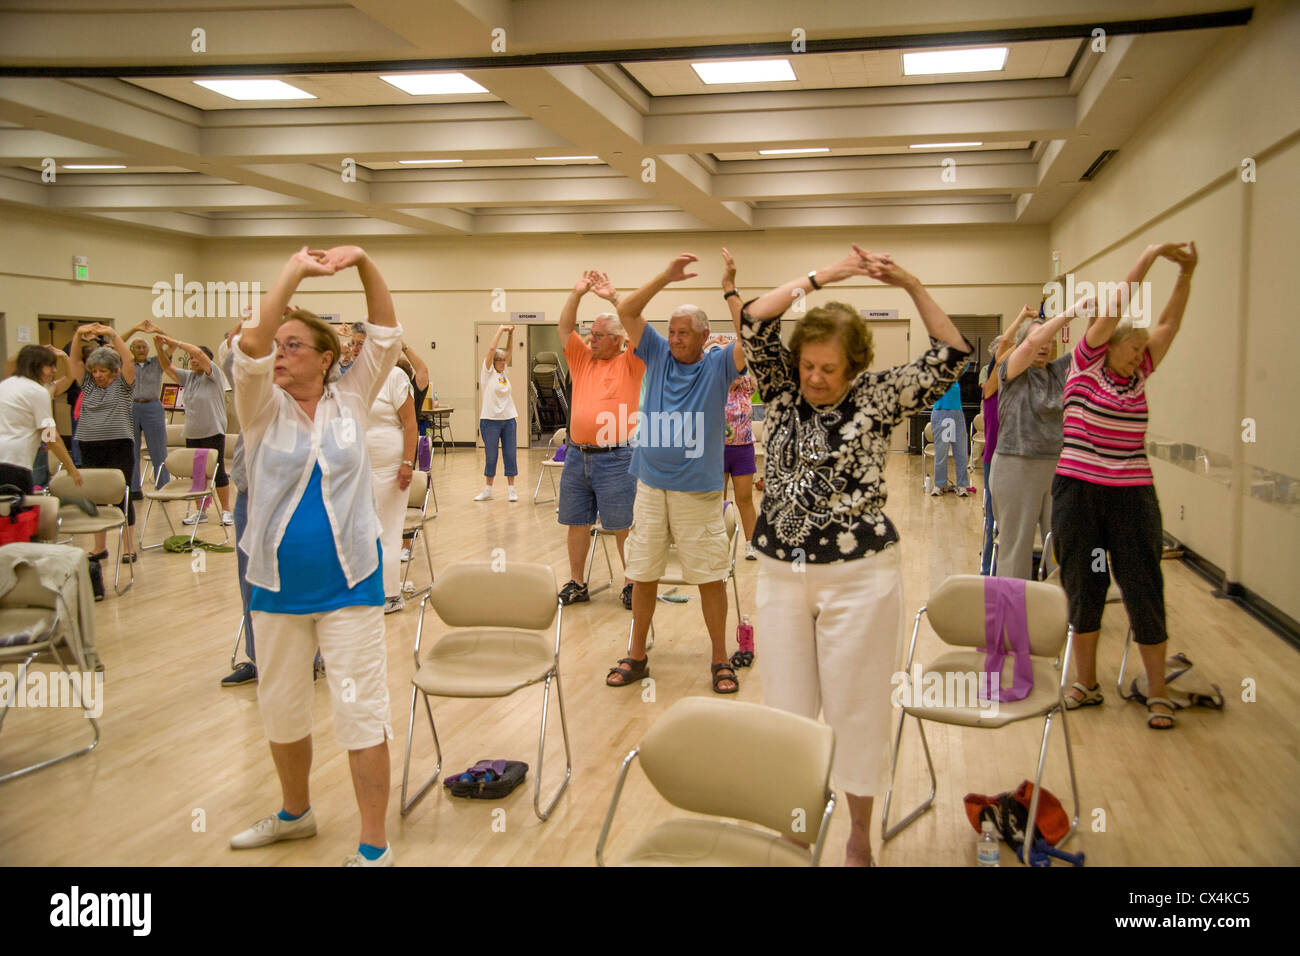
<point>27,418</point>
<point>391,437</point>
<point>497,419</point>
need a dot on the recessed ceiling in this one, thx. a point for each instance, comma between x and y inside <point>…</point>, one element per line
<point>671,153</point>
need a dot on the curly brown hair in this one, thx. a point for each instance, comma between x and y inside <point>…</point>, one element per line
<point>836,321</point>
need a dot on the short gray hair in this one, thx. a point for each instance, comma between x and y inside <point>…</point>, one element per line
<point>358,328</point>
<point>1022,333</point>
<point>699,321</point>
<point>1124,328</point>
<point>498,353</point>
<point>104,357</point>
<point>612,324</point>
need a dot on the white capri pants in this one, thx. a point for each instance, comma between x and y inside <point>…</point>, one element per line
<point>351,641</point>
<point>830,639</point>
<point>390,505</point>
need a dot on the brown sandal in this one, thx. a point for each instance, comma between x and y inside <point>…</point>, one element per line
<point>731,676</point>
<point>632,674</point>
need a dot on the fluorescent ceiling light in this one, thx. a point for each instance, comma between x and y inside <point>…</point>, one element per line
<point>941,145</point>
<point>558,159</point>
<point>745,71</point>
<point>255,89</point>
<point>791,152</point>
<point>433,84</point>
<point>954,61</point>
<point>90,166</point>
<point>427,162</point>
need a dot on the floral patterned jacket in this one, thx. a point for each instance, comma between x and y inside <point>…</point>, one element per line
<point>824,483</point>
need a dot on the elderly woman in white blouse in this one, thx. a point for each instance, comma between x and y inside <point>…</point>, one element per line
<point>313,542</point>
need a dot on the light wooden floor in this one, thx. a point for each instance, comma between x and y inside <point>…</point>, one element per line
<point>1219,790</point>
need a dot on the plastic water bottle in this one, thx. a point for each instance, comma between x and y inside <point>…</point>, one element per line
<point>745,635</point>
<point>987,849</point>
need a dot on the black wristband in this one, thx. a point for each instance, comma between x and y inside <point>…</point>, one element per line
<point>812,277</point>
<point>727,295</point>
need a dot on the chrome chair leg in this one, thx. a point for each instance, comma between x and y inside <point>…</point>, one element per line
<point>541,750</point>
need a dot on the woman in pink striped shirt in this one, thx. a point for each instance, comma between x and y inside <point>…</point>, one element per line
<point>1105,510</point>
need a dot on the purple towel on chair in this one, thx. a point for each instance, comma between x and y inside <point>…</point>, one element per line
<point>1004,612</point>
<point>199,480</point>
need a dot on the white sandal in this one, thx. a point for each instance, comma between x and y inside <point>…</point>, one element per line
<point>1091,696</point>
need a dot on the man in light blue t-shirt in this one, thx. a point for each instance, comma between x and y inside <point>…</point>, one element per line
<point>677,461</point>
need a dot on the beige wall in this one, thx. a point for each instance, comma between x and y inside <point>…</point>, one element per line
<point>36,272</point>
<point>1178,179</point>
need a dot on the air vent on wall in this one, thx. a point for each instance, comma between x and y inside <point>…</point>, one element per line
<point>1102,159</point>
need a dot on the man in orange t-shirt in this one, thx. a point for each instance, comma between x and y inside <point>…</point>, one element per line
<point>606,396</point>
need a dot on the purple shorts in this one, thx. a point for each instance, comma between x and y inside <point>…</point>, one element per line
<point>738,460</point>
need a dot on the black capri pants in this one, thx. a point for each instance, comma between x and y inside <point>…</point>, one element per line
<point>116,453</point>
<point>218,444</point>
<point>1090,520</point>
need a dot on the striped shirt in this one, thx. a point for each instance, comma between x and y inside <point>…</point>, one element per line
<point>1105,421</point>
<point>105,412</point>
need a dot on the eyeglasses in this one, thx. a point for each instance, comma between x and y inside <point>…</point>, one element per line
<point>597,336</point>
<point>293,346</point>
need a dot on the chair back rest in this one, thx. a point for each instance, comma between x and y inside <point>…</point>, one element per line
<point>547,358</point>
<point>418,490</point>
<point>544,377</point>
<point>735,759</point>
<point>180,463</point>
<point>559,438</point>
<point>28,591</point>
<point>103,486</point>
<point>474,595</point>
<point>47,523</point>
<point>929,434</point>
<point>979,424</point>
<point>175,435</point>
<point>956,612</point>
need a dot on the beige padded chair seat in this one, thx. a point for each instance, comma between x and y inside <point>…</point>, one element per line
<point>1041,699</point>
<point>484,662</point>
<point>72,520</point>
<point>26,625</point>
<point>708,843</point>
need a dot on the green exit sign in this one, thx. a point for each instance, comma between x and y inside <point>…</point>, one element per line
<point>80,268</point>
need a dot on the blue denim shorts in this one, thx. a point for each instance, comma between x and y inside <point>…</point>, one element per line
<point>597,484</point>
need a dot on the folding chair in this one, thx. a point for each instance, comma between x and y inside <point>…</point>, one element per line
<point>977,437</point>
<point>777,775</point>
<point>108,490</point>
<point>601,536</point>
<point>956,612</point>
<point>417,513</point>
<point>32,626</point>
<point>493,650</point>
<point>186,484</point>
<point>549,467</point>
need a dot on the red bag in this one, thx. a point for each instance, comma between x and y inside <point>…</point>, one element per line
<point>1010,813</point>
<point>20,527</point>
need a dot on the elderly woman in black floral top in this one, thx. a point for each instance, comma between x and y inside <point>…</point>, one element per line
<point>830,587</point>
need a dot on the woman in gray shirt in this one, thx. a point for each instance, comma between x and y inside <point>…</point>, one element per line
<point>147,413</point>
<point>205,413</point>
<point>1031,390</point>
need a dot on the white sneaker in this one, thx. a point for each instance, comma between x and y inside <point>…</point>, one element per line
<point>356,859</point>
<point>935,491</point>
<point>273,830</point>
<point>393,604</point>
<point>513,495</point>
<point>484,495</point>
<point>751,553</point>
<point>195,517</point>
<point>227,518</point>
<point>408,590</point>
<point>406,555</point>
<point>961,492</point>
